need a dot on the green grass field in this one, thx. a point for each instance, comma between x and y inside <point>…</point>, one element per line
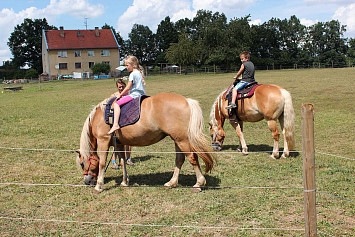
<point>48,119</point>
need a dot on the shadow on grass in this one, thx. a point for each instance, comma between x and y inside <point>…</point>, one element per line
<point>159,179</point>
<point>259,148</point>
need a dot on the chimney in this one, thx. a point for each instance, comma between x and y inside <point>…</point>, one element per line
<point>97,33</point>
<point>61,29</point>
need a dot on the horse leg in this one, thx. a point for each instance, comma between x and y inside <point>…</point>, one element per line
<point>122,157</point>
<point>238,126</point>
<point>103,146</point>
<point>179,161</point>
<point>276,135</point>
<point>286,152</point>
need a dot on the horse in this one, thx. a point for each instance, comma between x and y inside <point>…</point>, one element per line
<point>269,102</point>
<point>162,115</point>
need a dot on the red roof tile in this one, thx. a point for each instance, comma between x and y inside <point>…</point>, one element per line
<point>85,40</point>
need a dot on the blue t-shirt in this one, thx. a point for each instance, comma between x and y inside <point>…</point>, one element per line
<point>137,88</point>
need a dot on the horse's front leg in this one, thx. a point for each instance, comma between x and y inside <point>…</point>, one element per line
<point>179,161</point>
<point>103,146</point>
<point>238,126</point>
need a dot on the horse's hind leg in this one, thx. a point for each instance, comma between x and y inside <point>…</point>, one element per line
<point>286,152</point>
<point>179,161</point>
<point>276,135</point>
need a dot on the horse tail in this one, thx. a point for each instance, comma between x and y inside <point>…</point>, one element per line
<point>289,120</point>
<point>198,140</point>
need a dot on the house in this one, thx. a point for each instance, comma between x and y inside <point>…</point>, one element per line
<point>71,53</point>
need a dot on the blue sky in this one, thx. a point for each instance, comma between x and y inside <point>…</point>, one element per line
<point>122,14</point>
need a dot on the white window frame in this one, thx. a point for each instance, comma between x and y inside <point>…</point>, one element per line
<point>77,53</point>
<point>91,53</point>
<point>105,52</point>
<point>63,64</point>
<point>62,54</point>
<point>78,64</point>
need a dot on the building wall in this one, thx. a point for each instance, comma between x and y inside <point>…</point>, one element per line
<point>84,59</point>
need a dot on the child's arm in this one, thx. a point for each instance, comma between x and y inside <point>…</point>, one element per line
<point>126,89</point>
<point>239,72</point>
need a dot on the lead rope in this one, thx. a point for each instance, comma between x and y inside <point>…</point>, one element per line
<point>114,150</point>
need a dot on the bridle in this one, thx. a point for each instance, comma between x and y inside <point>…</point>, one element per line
<point>91,164</point>
<point>214,138</point>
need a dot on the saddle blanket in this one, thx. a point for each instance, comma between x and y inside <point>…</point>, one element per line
<point>247,91</point>
<point>130,112</point>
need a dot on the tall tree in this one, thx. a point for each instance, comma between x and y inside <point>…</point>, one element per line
<point>328,44</point>
<point>141,43</point>
<point>166,34</point>
<point>25,43</point>
<point>183,53</point>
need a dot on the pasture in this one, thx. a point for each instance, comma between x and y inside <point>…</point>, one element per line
<point>245,195</point>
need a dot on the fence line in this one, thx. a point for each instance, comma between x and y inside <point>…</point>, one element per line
<point>149,225</point>
<point>166,152</point>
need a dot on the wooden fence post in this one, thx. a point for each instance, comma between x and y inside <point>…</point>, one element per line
<point>309,181</point>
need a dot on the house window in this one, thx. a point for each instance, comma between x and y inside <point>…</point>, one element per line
<point>106,62</point>
<point>77,53</point>
<point>105,52</point>
<point>77,65</point>
<point>63,66</point>
<point>62,54</point>
<point>91,64</point>
<point>91,53</point>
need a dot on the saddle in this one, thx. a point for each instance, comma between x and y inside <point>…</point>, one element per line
<point>130,112</point>
<point>246,92</point>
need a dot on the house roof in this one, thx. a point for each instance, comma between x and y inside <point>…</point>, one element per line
<point>80,39</point>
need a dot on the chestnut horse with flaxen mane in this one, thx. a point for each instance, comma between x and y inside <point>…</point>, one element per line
<point>161,115</point>
<point>269,102</point>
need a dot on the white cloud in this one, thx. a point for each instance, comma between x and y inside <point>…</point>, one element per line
<point>346,17</point>
<point>256,22</point>
<point>151,12</point>
<point>229,7</point>
<point>9,18</point>
<point>308,22</point>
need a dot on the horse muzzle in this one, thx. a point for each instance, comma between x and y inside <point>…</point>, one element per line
<point>90,180</point>
<point>216,147</point>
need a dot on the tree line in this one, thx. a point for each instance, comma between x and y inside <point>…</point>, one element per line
<point>208,39</point>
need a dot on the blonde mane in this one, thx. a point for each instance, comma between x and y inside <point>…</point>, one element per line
<point>85,143</point>
<point>216,103</point>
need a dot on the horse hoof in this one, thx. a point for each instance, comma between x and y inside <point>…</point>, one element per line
<point>98,191</point>
<point>274,157</point>
<point>123,184</point>
<point>283,156</point>
<point>196,189</point>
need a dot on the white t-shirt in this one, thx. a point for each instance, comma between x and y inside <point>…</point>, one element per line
<point>137,88</point>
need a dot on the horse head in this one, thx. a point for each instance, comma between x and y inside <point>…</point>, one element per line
<point>90,167</point>
<point>217,136</point>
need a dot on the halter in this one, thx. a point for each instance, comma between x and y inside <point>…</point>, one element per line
<point>91,164</point>
<point>214,138</point>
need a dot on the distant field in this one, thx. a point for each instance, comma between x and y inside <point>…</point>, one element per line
<point>251,195</point>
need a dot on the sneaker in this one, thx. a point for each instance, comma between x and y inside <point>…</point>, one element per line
<point>129,161</point>
<point>231,106</point>
<point>114,166</point>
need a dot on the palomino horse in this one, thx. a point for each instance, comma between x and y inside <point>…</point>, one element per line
<point>161,115</point>
<point>269,102</point>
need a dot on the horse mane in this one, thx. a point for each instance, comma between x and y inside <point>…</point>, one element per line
<point>216,103</point>
<point>85,142</point>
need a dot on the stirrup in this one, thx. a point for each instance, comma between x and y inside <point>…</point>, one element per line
<point>231,106</point>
